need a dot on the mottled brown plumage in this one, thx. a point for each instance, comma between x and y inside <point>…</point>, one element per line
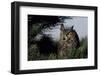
<point>68,40</point>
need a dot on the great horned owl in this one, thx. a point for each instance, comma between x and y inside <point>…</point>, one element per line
<point>68,40</point>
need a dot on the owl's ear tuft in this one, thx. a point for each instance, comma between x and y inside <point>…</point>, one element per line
<point>72,27</point>
<point>62,27</point>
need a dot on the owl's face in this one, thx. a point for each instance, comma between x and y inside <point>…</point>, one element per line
<point>68,34</point>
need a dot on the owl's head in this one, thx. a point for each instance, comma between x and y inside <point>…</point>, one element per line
<point>67,32</point>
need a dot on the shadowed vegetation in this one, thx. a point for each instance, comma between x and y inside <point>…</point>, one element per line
<point>45,52</point>
<point>46,48</point>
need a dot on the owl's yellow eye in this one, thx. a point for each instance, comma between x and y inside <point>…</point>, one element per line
<point>69,34</point>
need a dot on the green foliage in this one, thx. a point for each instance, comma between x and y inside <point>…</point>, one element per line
<point>32,32</point>
<point>52,56</point>
<point>81,52</point>
<point>33,53</point>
